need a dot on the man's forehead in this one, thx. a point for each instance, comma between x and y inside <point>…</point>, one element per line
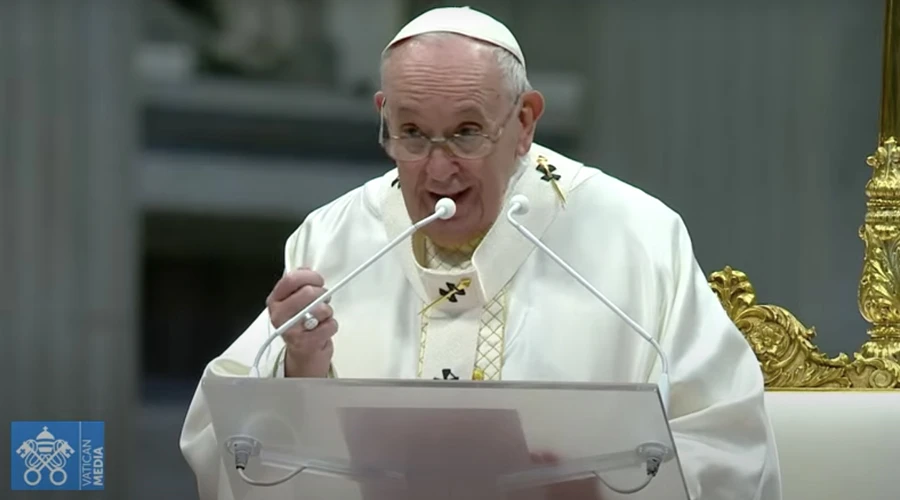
<point>450,53</point>
<point>468,106</point>
<point>468,93</point>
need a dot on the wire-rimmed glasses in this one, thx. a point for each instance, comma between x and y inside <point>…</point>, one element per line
<point>465,145</point>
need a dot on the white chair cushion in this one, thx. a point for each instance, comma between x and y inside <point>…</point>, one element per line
<point>839,445</point>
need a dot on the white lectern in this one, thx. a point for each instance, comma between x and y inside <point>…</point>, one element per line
<point>340,439</point>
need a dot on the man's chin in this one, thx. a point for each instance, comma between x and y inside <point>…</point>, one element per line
<point>450,233</point>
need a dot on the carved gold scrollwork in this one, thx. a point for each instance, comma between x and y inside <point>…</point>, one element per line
<point>780,341</point>
<point>874,373</point>
<point>879,287</point>
<point>787,355</point>
<point>784,346</point>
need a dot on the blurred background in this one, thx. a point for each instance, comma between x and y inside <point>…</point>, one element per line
<point>155,154</point>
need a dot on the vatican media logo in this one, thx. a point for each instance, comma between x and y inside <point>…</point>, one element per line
<point>57,456</point>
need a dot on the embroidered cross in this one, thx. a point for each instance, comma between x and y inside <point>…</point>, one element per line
<point>396,183</point>
<point>450,294</point>
<point>545,168</point>
<point>448,375</point>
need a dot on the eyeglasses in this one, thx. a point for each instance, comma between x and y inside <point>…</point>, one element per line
<point>465,145</point>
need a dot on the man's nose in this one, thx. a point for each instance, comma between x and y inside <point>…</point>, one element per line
<point>441,165</point>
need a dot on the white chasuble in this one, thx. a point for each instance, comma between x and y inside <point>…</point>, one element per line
<point>463,317</point>
<point>450,332</point>
<point>454,266</point>
<point>407,316</point>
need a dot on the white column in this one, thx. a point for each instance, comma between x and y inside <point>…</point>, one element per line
<point>68,220</point>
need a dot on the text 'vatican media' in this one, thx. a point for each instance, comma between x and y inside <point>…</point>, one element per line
<point>57,456</point>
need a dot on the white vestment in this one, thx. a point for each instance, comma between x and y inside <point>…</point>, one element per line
<point>626,243</point>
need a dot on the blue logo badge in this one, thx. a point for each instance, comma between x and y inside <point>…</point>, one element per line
<point>57,456</point>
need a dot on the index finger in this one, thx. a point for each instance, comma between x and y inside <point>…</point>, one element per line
<point>295,280</point>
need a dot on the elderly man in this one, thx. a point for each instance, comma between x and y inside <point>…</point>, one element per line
<point>470,296</point>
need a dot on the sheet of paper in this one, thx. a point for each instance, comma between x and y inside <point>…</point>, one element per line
<point>436,449</point>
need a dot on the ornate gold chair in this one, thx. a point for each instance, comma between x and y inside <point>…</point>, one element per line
<point>834,417</point>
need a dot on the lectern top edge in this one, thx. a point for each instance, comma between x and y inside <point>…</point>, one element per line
<point>439,384</point>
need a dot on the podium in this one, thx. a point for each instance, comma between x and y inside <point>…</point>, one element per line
<point>349,439</point>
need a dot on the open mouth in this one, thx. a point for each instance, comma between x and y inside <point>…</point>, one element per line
<point>458,197</point>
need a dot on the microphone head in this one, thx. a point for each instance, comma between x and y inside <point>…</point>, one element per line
<point>520,204</point>
<point>445,207</point>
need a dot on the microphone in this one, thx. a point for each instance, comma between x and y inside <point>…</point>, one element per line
<point>444,209</point>
<point>519,205</point>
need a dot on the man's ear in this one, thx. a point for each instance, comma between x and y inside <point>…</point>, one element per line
<point>379,100</point>
<point>532,109</point>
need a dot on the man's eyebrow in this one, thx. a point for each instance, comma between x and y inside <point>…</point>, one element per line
<point>404,112</point>
<point>471,109</point>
